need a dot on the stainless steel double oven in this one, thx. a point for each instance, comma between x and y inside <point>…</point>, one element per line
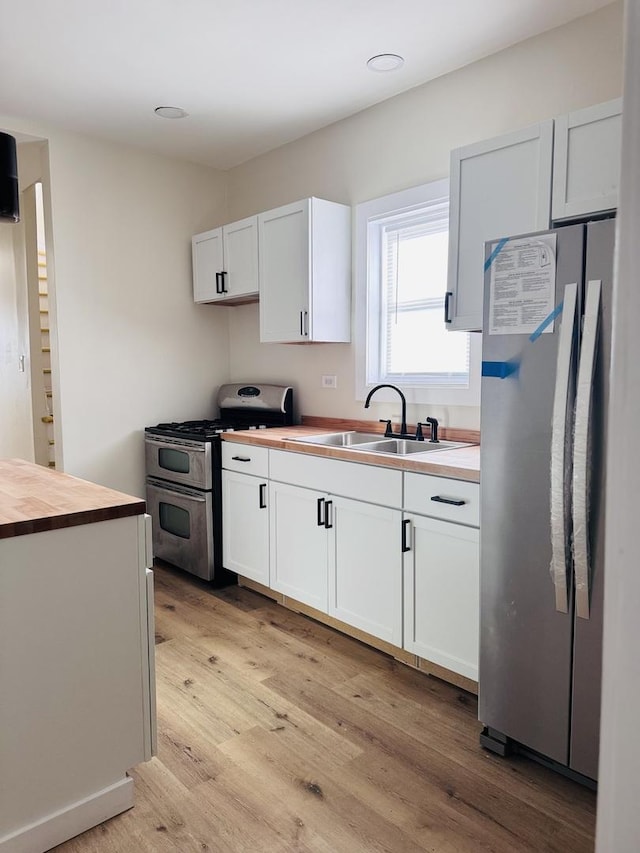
<point>184,479</point>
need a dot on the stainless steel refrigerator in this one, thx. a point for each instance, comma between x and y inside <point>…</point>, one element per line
<point>545,363</point>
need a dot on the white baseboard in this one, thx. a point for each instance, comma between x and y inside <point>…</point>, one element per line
<point>66,823</point>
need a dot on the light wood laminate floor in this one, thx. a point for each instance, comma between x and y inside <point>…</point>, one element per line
<point>276,733</point>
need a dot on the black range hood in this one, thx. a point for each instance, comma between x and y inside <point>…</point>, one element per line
<point>8,179</point>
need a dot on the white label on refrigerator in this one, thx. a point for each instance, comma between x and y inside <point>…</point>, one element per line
<point>523,286</point>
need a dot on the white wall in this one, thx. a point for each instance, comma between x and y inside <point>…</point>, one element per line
<point>132,348</point>
<point>403,142</point>
<point>618,829</point>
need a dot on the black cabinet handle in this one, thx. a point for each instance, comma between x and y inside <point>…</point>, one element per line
<point>327,515</point>
<point>452,501</point>
<point>223,289</point>
<point>218,283</point>
<point>447,300</point>
<point>320,515</point>
<point>301,325</point>
<point>262,495</point>
<point>405,527</point>
<point>241,458</point>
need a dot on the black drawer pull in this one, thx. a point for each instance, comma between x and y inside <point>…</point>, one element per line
<point>451,501</point>
<point>447,302</point>
<point>241,458</point>
<point>405,526</point>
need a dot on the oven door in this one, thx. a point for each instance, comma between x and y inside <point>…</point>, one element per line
<point>178,460</point>
<point>182,524</point>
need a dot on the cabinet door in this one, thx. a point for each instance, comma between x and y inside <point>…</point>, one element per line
<point>206,252</point>
<point>284,273</point>
<point>441,594</point>
<point>245,526</point>
<point>499,187</point>
<point>298,544</point>
<point>586,160</point>
<point>240,240</point>
<point>365,567</point>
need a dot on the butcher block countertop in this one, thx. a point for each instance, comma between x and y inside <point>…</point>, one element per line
<point>462,463</point>
<point>34,499</point>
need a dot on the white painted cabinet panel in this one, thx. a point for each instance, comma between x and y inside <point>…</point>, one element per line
<point>298,544</point>
<point>365,567</point>
<point>347,479</point>
<point>207,257</point>
<point>245,525</point>
<point>441,594</point>
<point>76,665</point>
<point>305,272</point>
<point>586,161</point>
<point>225,263</point>
<point>442,497</point>
<point>498,187</point>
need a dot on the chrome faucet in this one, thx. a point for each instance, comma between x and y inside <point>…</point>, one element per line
<point>403,425</point>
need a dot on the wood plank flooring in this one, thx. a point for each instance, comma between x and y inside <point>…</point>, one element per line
<point>276,733</point>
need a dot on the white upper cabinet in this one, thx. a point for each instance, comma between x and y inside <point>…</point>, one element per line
<point>305,272</point>
<point>498,187</point>
<point>225,263</point>
<point>586,161</point>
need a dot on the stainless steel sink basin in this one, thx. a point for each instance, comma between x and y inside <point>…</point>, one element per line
<point>406,447</point>
<point>376,443</point>
<point>340,439</point>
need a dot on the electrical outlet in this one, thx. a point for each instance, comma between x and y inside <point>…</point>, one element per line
<point>329,381</point>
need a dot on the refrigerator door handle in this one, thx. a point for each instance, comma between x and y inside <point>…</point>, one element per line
<point>560,496</point>
<point>582,440</point>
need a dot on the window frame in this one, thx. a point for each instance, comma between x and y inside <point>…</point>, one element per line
<point>402,202</point>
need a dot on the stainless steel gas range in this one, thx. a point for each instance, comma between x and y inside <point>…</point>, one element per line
<point>184,479</point>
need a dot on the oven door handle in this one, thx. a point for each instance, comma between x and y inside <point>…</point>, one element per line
<point>176,489</point>
<point>186,448</point>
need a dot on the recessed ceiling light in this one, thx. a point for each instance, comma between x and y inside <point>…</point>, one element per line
<point>385,62</point>
<point>171,112</point>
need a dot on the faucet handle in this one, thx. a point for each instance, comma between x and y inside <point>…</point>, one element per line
<point>388,431</point>
<point>419,433</point>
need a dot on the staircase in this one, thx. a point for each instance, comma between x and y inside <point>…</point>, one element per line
<point>45,344</point>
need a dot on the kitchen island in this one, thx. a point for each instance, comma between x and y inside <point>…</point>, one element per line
<point>76,654</point>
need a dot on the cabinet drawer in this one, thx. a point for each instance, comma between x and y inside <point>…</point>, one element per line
<point>440,497</point>
<point>347,479</point>
<point>246,458</point>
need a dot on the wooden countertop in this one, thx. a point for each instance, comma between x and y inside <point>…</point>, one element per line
<point>462,463</point>
<point>34,499</point>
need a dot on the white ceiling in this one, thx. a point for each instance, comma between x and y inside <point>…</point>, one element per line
<point>252,74</point>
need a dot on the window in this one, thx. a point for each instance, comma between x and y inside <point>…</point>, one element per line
<point>401,286</point>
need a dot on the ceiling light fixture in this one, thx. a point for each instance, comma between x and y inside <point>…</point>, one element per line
<point>171,112</point>
<point>385,62</point>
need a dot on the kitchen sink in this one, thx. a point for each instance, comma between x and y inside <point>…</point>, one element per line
<point>376,443</point>
<point>341,439</point>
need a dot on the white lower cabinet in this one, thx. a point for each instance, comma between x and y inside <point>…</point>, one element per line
<point>365,567</point>
<point>348,540</point>
<point>298,543</point>
<point>245,525</point>
<point>441,593</point>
